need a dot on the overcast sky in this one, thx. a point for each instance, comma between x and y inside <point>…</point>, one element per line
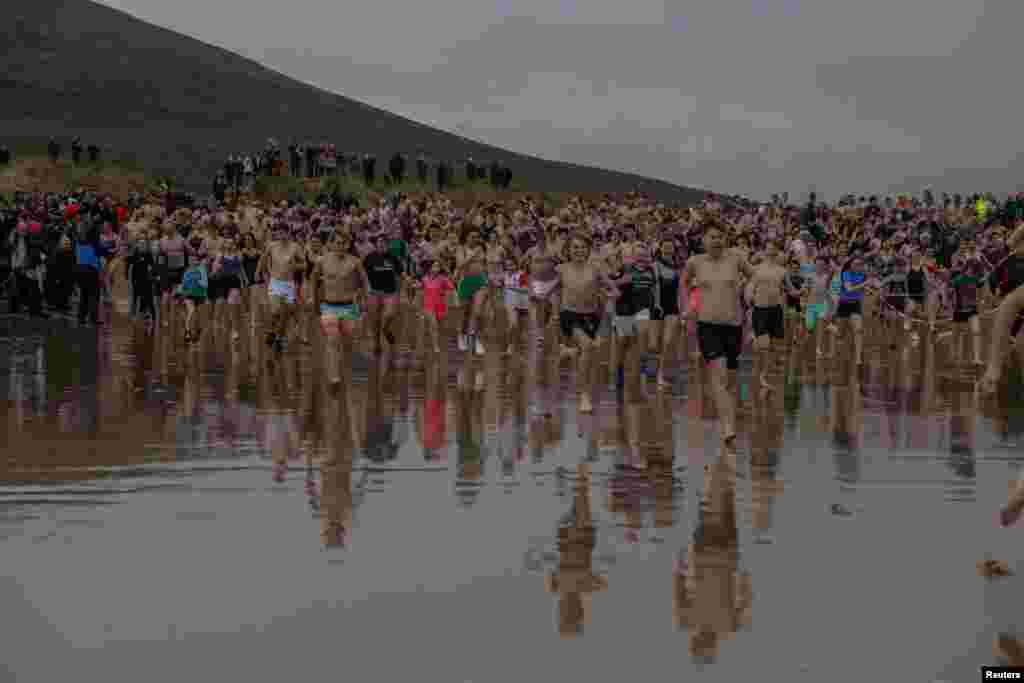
<point>747,96</point>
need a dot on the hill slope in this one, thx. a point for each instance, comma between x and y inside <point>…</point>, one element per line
<point>178,106</point>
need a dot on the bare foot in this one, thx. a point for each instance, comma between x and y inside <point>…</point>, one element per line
<point>1010,649</point>
<point>991,569</point>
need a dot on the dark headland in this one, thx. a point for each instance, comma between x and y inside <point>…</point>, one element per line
<point>178,107</point>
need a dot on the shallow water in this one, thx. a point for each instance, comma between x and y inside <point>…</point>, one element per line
<point>144,536</point>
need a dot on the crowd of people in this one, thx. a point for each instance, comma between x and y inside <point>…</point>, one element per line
<point>622,283</point>
<point>325,160</point>
<point>623,290</point>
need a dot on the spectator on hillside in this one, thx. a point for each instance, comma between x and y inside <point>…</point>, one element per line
<point>94,153</point>
<point>396,168</point>
<point>506,178</point>
<point>294,158</point>
<point>421,168</point>
<point>495,171</point>
<point>76,150</point>
<point>229,170</point>
<point>53,149</point>
<point>26,243</point>
<point>310,160</point>
<point>220,186</point>
<point>443,176</point>
<point>248,170</point>
<point>5,155</point>
<point>470,169</point>
<point>369,170</point>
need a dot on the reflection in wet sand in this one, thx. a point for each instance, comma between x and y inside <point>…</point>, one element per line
<point>712,597</point>
<point>611,493</point>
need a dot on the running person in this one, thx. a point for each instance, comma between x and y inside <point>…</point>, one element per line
<point>471,276</point>
<point>718,276</point>
<point>173,260</point>
<point>852,283</point>
<point>582,285</point>
<point>769,319</point>
<point>967,277</point>
<point>281,260</point>
<point>385,277</point>
<point>339,283</point>
<point>667,327</point>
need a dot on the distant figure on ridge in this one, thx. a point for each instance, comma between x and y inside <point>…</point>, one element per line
<point>422,169</point>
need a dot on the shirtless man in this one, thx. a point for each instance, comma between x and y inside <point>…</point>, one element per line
<point>582,286</point>
<point>1009,310</point>
<point>281,261</point>
<point>768,319</point>
<point>340,288</point>
<point>718,275</point>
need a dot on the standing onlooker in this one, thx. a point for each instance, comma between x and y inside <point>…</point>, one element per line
<point>422,168</point>
<point>87,273</point>
<point>310,159</point>
<point>76,150</point>
<point>53,149</point>
<point>247,173</point>
<point>94,153</point>
<point>26,259</point>
<point>60,275</point>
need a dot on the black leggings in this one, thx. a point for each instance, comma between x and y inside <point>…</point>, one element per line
<point>89,285</point>
<point>143,298</point>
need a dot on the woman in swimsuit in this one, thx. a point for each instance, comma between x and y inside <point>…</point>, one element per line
<point>173,260</point>
<point>967,277</point>
<point>229,268</point>
<point>471,276</point>
<point>194,287</point>
<point>666,327</point>
<point>544,259</point>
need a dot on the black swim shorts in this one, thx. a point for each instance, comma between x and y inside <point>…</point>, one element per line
<point>720,340</point>
<point>769,321</point>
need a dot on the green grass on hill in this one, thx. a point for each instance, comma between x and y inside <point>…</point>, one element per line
<point>32,170</point>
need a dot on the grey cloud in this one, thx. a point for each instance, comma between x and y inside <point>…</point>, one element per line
<point>751,96</point>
